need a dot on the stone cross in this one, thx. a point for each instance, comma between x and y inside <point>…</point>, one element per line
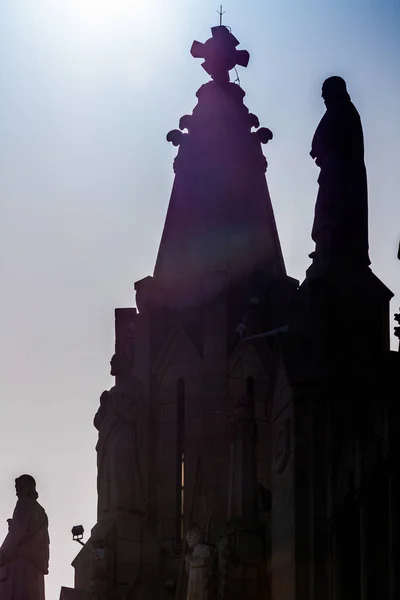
<point>219,53</point>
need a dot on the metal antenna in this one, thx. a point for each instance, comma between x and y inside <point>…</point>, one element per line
<point>221,14</point>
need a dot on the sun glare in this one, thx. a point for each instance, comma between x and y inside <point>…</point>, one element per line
<point>109,17</point>
<point>102,13</point>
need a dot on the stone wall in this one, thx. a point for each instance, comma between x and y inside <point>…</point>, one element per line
<point>283,565</point>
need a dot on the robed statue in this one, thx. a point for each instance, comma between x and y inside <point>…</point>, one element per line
<point>198,565</point>
<point>24,554</point>
<point>340,229</point>
<point>119,482</point>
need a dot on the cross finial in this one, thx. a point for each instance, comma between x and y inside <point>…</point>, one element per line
<point>221,14</point>
<point>220,53</point>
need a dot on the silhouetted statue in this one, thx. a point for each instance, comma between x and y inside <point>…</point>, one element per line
<point>24,554</point>
<point>340,229</point>
<point>119,484</point>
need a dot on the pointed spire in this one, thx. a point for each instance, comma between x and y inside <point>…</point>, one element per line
<point>220,218</point>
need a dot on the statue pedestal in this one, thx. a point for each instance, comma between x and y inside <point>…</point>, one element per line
<point>345,311</point>
<point>71,594</point>
<point>241,563</point>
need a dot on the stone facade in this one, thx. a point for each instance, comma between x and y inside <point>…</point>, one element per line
<point>267,416</point>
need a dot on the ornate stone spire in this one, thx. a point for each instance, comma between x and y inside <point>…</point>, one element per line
<point>220,223</point>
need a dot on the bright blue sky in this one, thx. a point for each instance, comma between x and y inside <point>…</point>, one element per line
<point>88,90</point>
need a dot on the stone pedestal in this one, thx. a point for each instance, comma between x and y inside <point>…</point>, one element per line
<point>344,313</point>
<point>242,564</point>
<point>72,594</point>
<point>112,557</point>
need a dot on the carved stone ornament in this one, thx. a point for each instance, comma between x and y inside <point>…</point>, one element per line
<point>281,446</point>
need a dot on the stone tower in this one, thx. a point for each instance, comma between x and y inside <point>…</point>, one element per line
<point>257,414</point>
<point>219,278</point>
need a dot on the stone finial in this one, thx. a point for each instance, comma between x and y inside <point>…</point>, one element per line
<point>264,134</point>
<point>175,137</point>
<point>220,54</point>
<point>184,122</point>
<point>254,121</point>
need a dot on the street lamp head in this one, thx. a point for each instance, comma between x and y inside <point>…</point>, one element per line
<point>77,533</point>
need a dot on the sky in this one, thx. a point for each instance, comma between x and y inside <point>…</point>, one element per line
<point>88,91</point>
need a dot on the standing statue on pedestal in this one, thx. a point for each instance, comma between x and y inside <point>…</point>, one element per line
<point>119,482</point>
<point>340,229</point>
<point>24,554</point>
<point>198,565</point>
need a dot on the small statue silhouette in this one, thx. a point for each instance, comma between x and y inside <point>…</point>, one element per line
<point>24,554</point>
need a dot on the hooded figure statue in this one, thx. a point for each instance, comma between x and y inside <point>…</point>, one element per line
<point>24,554</point>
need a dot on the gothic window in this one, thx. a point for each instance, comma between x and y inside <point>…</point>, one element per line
<point>180,460</point>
